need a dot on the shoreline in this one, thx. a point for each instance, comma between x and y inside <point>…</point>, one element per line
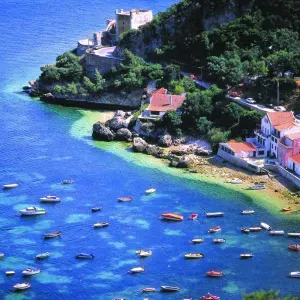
<point>279,192</point>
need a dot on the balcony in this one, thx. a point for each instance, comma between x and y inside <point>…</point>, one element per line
<point>261,134</point>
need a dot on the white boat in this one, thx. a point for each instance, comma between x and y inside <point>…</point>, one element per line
<point>100,225</point>
<point>214,214</point>
<point>294,234</point>
<point>196,241</point>
<point>137,270</point>
<point>32,211</point>
<point>1,255</point>
<point>276,232</point>
<point>29,271</point>
<point>125,199</point>
<point>167,288</point>
<point>236,181</point>
<point>150,191</point>
<point>22,286</point>
<point>8,273</point>
<point>247,212</point>
<point>295,274</point>
<point>265,226</point>
<point>219,241</point>
<point>257,187</point>
<point>246,255</point>
<point>10,186</point>
<point>42,255</point>
<point>67,181</point>
<point>171,217</point>
<point>143,253</point>
<point>50,199</point>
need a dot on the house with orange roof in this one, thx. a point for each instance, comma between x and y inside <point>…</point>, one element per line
<point>294,164</point>
<point>239,149</point>
<point>288,147</point>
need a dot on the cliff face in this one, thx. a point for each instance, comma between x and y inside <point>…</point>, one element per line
<point>177,29</point>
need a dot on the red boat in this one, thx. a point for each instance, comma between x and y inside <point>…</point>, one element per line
<point>214,229</point>
<point>214,274</point>
<point>210,297</point>
<point>172,217</point>
<point>294,247</point>
<point>193,216</point>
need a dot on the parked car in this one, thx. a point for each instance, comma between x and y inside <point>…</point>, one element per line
<point>236,98</point>
<point>270,105</point>
<point>192,76</point>
<point>234,94</point>
<point>297,116</point>
<point>279,108</point>
<point>250,100</point>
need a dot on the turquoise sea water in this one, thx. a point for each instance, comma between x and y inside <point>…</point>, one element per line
<point>39,148</point>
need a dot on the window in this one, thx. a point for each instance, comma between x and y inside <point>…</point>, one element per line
<point>123,23</point>
<point>156,113</point>
<point>272,139</point>
<point>261,152</point>
<point>275,148</point>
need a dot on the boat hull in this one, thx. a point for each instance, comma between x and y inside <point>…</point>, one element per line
<point>293,234</point>
<point>10,186</point>
<point>294,274</point>
<point>36,213</point>
<point>214,214</point>
<point>169,289</point>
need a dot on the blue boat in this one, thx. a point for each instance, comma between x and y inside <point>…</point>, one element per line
<point>84,255</point>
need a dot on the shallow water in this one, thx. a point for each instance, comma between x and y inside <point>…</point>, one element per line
<point>43,144</point>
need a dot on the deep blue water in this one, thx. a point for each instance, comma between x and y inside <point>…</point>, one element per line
<point>37,151</point>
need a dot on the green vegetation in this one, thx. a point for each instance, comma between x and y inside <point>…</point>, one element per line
<point>270,295</point>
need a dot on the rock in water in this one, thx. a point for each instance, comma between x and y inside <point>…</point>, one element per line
<point>117,123</point>
<point>187,161</point>
<point>123,134</point>
<point>165,141</point>
<point>139,145</point>
<point>153,150</point>
<point>102,133</point>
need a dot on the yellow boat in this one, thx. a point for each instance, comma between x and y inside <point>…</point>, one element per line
<point>194,255</point>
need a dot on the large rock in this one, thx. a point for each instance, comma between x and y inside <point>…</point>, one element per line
<point>139,145</point>
<point>153,150</point>
<point>187,161</point>
<point>123,134</point>
<point>102,133</point>
<point>119,113</point>
<point>165,141</point>
<point>117,123</point>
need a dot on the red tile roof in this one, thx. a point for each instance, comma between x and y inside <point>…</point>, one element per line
<point>279,118</point>
<point>160,91</point>
<point>162,103</point>
<point>295,158</point>
<point>241,147</point>
<point>285,126</point>
<point>293,136</point>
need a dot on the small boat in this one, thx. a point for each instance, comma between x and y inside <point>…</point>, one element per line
<point>196,241</point>
<point>255,229</point>
<point>276,232</point>
<point>50,199</point>
<point>101,224</point>
<point>193,255</point>
<point>94,209</point>
<point>52,235</point>
<point>171,217</point>
<point>287,209</point>
<point>294,247</point>
<point>295,274</point>
<point>193,216</point>
<point>214,274</point>
<point>32,211</point>
<point>42,255</point>
<point>143,253</point>
<point>293,234</point>
<point>22,286</point>
<point>9,186</point>
<point>148,290</point>
<point>246,255</point>
<point>219,241</point>
<point>167,288</point>
<point>245,230</point>
<point>214,214</point>
<point>29,271</point>
<point>84,255</point>
<point>265,226</point>
<point>247,212</point>
<point>9,273</point>
<point>1,255</point>
<point>125,199</point>
<point>257,187</point>
<point>150,191</point>
<point>67,181</point>
<point>136,270</point>
<point>236,181</point>
<point>214,229</point>
<point>210,297</point>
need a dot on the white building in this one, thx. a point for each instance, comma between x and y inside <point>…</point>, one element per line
<point>294,163</point>
<point>239,149</point>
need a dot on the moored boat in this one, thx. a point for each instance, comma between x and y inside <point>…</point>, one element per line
<point>50,199</point>
<point>101,224</point>
<point>214,229</point>
<point>293,234</point>
<point>171,217</point>
<point>67,181</point>
<point>42,255</point>
<point>150,191</point>
<point>143,253</point>
<point>255,229</point>
<point>29,271</point>
<point>219,241</point>
<point>257,187</point>
<point>136,270</point>
<point>214,214</point>
<point>22,286</point>
<point>32,211</point>
<point>52,235</point>
<point>84,255</point>
<point>167,288</point>
<point>265,226</point>
<point>149,290</point>
<point>246,255</point>
<point>236,181</point>
<point>196,241</point>
<point>295,274</point>
<point>245,230</point>
<point>209,296</point>
<point>294,247</point>
<point>125,199</point>
<point>276,232</point>
<point>94,209</point>
<point>193,216</point>
<point>9,186</point>
<point>8,273</point>
<point>1,255</point>
<point>214,274</point>
<point>194,255</point>
<point>247,212</point>
<point>287,209</point>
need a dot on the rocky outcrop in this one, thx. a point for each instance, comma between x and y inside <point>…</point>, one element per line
<point>165,141</point>
<point>139,145</point>
<point>123,134</point>
<point>187,161</point>
<point>153,150</point>
<point>47,97</point>
<point>102,133</point>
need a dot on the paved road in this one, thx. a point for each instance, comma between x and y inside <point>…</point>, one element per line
<point>106,52</point>
<point>258,107</point>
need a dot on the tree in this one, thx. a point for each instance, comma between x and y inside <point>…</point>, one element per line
<point>263,295</point>
<point>172,72</point>
<point>99,82</point>
<point>255,68</point>
<point>216,136</point>
<point>172,121</point>
<point>280,61</point>
<point>231,115</point>
<point>155,72</point>
<point>89,85</point>
<point>203,126</point>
